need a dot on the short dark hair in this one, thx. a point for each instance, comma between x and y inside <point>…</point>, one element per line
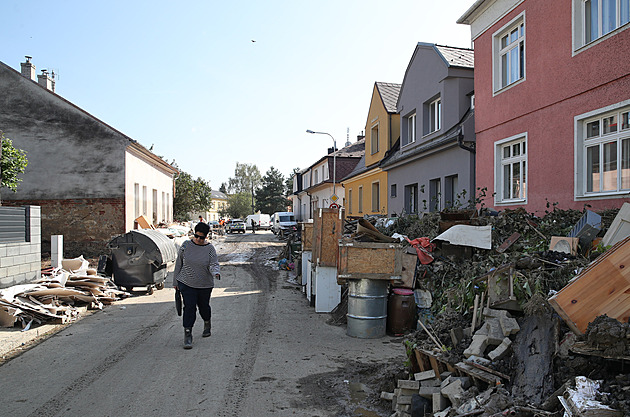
<point>202,228</point>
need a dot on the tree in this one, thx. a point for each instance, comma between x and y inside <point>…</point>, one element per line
<point>190,195</point>
<point>223,188</point>
<point>239,205</point>
<point>12,163</point>
<point>246,180</point>
<point>270,197</point>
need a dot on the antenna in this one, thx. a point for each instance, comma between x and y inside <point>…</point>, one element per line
<point>348,143</point>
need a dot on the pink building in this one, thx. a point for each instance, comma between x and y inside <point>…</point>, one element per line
<point>552,98</point>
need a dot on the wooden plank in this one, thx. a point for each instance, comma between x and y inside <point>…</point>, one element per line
<point>478,373</point>
<point>602,288</point>
<point>508,242</point>
<point>328,228</point>
<point>307,236</point>
<point>408,269</point>
<point>370,260</point>
<point>423,361</point>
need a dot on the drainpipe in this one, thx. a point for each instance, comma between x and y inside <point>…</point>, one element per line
<point>460,142</point>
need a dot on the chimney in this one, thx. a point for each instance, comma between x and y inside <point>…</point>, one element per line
<point>45,81</point>
<point>28,69</point>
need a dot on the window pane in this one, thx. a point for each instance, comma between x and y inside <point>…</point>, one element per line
<point>625,164</point>
<point>592,129</point>
<point>610,166</point>
<point>592,168</point>
<point>521,71</point>
<point>504,70</point>
<point>625,123</point>
<point>610,124</point>
<point>524,187</point>
<point>514,71</point>
<point>516,149</point>
<point>516,180</point>
<point>506,152</point>
<point>624,12</point>
<point>504,41</point>
<point>609,16</point>
<point>524,147</point>
<point>507,180</point>
<point>438,117</point>
<point>591,19</point>
<point>514,35</point>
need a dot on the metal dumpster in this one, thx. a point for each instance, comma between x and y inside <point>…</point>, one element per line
<point>140,258</point>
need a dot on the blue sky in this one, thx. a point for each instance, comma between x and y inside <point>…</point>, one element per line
<point>187,78</point>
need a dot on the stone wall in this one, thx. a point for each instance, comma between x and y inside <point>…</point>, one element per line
<point>20,262</point>
<point>86,224</point>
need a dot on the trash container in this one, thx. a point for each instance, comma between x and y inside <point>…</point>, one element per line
<point>367,308</point>
<point>140,258</point>
<point>401,311</point>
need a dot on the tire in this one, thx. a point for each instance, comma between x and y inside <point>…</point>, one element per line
<point>149,289</point>
<point>159,286</point>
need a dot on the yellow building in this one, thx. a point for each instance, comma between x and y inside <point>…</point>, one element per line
<point>219,204</point>
<point>366,186</point>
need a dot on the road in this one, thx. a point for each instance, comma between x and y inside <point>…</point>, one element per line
<point>269,354</point>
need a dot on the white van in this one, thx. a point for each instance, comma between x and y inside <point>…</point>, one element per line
<point>283,221</point>
<point>262,221</point>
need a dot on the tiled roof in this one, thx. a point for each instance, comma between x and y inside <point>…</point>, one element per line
<point>389,93</point>
<point>457,57</point>
<point>358,169</point>
<point>354,150</point>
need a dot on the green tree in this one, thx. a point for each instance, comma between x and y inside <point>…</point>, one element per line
<point>190,195</point>
<point>12,163</point>
<point>270,197</point>
<point>223,188</point>
<point>246,180</point>
<point>239,205</point>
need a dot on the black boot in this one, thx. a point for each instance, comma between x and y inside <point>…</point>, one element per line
<point>187,338</point>
<point>206,329</point>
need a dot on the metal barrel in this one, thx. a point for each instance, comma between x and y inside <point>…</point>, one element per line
<point>367,308</point>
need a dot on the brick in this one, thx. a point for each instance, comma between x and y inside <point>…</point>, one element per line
<point>430,383</point>
<point>501,350</point>
<point>509,326</point>
<point>454,392</point>
<point>439,403</point>
<point>408,384</point>
<point>421,376</point>
<point>389,396</point>
<point>477,347</point>
<point>445,375</point>
<point>427,392</point>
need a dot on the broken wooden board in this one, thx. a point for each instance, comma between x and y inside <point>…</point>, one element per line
<point>478,374</point>
<point>602,288</point>
<point>307,236</point>
<point>564,244</point>
<point>428,360</point>
<point>327,230</point>
<point>369,260</point>
<point>509,242</point>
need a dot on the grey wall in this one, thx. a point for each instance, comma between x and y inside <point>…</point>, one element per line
<point>21,262</point>
<point>70,154</point>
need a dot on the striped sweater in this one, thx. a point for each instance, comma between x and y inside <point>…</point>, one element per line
<point>196,265</point>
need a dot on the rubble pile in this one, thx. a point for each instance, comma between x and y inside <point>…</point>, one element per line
<point>57,296</point>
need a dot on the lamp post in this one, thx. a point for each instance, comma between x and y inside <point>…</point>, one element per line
<point>334,158</point>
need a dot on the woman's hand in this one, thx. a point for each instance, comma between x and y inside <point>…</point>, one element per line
<point>217,276</point>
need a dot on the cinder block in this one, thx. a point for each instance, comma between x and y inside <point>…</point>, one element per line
<point>439,403</point>
<point>408,384</point>
<point>405,391</point>
<point>477,347</point>
<point>427,392</point>
<point>3,251</point>
<point>404,408</point>
<point>389,396</point>
<point>492,313</point>
<point>454,392</point>
<point>445,375</point>
<point>421,376</point>
<point>495,334</point>
<point>3,272</point>
<point>479,360</point>
<point>24,268</point>
<point>509,326</point>
<point>404,400</point>
<point>13,270</point>
<point>501,350</point>
<point>13,250</point>
<point>430,383</point>
<point>7,261</point>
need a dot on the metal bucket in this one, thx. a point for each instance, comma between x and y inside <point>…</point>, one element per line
<point>367,308</point>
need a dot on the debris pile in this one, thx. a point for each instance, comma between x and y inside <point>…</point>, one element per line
<point>57,296</point>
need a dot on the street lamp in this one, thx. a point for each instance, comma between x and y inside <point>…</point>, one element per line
<point>334,157</point>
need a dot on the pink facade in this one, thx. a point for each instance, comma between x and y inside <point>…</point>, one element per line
<point>567,86</point>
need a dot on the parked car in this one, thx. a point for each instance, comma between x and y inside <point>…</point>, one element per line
<point>262,221</point>
<point>216,227</point>
<point>235,226</point>
<point>283,222</point>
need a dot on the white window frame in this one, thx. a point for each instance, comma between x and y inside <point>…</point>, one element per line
<point>500,162</point>
<point>582,143</point>
<point>374,145</point>
<point>498,52</point>
<point>411,128</point>
<point>434,122</point>
<point>580,14</point>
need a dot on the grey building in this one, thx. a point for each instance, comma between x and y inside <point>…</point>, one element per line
<point>434,162</point>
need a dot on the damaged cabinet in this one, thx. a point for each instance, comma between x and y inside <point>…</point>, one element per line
<point>369,260</point>
<point>327,230</point>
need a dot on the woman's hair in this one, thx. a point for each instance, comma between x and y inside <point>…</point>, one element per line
<point>202,228</point>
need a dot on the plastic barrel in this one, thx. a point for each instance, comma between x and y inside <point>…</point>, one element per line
<point>401,312</point>
<point>367,308</point>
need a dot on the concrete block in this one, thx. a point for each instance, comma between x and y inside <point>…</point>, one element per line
<point>446,381</point>
<point>389,396</point>
<point>454,392</point>
<point>408,384</point>
<point>501,351</point>
<point>482,331</point>
<point>468,332</point>
<point>439,403</point>
<point>403,400</point>
<point>457,334</point>
<point>492,313</point>
<point>3,251</point>
<point>430,383</point>
<point>3,272</point>
<point>427,392</point>
<point>405,408</point>
<point>421,376</point>
<point>405,391</point>
<point>13,250</point>
<point>445,375</point>
<point>25,249</point>
<point>495,334</point>
<point>7,261</point>
<point>13,270</point>
<point>24,268</point>
<point>509,326</point>
<point>396,392</point>
<point>19,260</point>
<point>477,347</point>
<point>480,360</point>
<point>394,401</point>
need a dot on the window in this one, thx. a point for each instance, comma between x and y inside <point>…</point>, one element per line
<point>376,197</point>
<point>411,198</point>
<point>435,194</point>
<point>154,204</point>
<point>411,128</point>
<point>604,153</point>
<point>374,139</point>
<point>509,54</point>
<point>450,191</point>
<point>360,200</point>
<point>511,169</point>
<point>316,177</point>
<point>144,200</point>
<point>603,16</point>
<point>136,200</point>
<point>350,201</point>
<point>169,213</point>
<point>435,116</point>
<point>392,192</point>
<point>164,206</point>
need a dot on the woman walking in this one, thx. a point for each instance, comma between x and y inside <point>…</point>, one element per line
<point>196,268</point>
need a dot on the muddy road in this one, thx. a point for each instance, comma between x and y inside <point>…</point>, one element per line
<point>269,354</point>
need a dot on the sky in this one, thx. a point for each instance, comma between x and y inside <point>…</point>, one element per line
<point>210,83</point>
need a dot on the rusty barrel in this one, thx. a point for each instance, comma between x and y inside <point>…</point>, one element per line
<point>401,311</point>
<point>367,308</point>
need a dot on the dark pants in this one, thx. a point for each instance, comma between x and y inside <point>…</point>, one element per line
<point>193,298</point>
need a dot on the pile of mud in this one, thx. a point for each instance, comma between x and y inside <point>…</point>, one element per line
<point>609,336</point>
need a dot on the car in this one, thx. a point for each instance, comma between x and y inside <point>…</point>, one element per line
<point>283,222</point>
<point>216,227</point>
<point>262,221</point>
<point>235,226</point>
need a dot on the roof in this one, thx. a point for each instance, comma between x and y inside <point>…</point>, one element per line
<point>457,57</point>
<point>218,195</point>
<point>465,19</point>
<point>354,150</point>
<point>358,169</point>
<point>389,94</point>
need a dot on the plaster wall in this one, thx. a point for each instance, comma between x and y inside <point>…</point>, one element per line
<point>365,180</point>
<point>559,84</point>
<point>388,129</point>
